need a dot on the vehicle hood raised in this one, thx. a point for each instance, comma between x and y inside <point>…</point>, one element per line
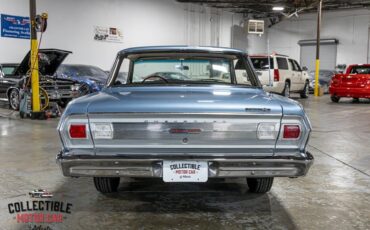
<point>49,61</point>
<point>182,99</point>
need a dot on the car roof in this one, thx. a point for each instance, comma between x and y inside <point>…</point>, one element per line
<point>265,55</point>
<point>180,49</point>
<point>365,65</point>
<point>78,65</point>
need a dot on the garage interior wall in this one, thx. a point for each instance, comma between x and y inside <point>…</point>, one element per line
<point>145,22</point>
<point>328,55</point>
<point>239,38</point>
<point>350,27</point>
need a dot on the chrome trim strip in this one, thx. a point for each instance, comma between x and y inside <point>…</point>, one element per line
<point>208,114</point>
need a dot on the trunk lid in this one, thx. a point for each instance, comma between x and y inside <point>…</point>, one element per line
<point>355,80</point>
<point>184,99</point>
<point>215,121</point>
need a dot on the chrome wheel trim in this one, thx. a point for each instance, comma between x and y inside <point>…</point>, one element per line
<point>14,99</point>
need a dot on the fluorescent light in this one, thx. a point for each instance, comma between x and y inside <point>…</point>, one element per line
<point>277,8</point>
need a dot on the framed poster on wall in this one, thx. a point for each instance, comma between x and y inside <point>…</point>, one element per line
<point>108,34</point>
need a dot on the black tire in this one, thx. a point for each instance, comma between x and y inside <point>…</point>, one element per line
<point>260,185</point>
<point>286,90</point>
<point>106,184</point>
<point>356,100</point>
<point>14,100</point>
<point>305,91</point>
<point>335,98</point>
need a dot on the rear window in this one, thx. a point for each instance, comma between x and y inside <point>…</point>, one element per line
<point>282,63</point>
<point>262,63</point>
<point>181,70</point>
<point>186,70</point>
<point>360,70</point>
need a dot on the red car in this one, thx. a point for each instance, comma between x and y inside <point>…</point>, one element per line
<point>355,83</point>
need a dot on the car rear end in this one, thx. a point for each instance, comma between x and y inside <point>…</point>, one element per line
<point>144,145</point>
<point>185,132</point>
<point>268,73</point>
<point>350,85</point>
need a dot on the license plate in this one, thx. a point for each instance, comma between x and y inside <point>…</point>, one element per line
<point>185,171</point>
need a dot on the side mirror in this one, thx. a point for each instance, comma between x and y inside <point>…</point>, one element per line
<point>304,68</point>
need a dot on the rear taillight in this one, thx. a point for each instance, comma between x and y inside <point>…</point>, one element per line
<point>276,75</point>
<point>336,80</point>
<point>291,132</point>
<point>77,131</point>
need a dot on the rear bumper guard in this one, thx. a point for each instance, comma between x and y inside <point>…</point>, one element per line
<point>217,167</point>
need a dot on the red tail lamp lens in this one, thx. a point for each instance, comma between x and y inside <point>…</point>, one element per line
<point>291,131</point>
<point>276,75</point>
<point>77,131</point>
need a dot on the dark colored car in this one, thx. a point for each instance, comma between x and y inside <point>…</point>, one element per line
<point>58,90</point>
<point>324,79</point>
<point>91,78</point>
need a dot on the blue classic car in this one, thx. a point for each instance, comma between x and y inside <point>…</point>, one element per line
<point>215,122</point>
<point>91,78</point>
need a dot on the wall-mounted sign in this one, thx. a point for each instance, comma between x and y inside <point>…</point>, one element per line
<point>108,34</point>
<point>15,26</point>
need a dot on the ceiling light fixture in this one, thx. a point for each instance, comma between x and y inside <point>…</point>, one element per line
<point>277,8</point>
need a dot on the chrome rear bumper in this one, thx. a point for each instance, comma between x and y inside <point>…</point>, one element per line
<point>92,166</point>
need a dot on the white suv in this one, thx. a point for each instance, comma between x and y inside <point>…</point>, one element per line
<point>285,74</point>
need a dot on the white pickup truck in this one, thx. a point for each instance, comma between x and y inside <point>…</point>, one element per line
<point>284,76</point>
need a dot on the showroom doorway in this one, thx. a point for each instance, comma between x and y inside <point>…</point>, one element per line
<point>328,53</point>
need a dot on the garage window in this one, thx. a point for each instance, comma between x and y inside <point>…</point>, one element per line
<point>282,63</point>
